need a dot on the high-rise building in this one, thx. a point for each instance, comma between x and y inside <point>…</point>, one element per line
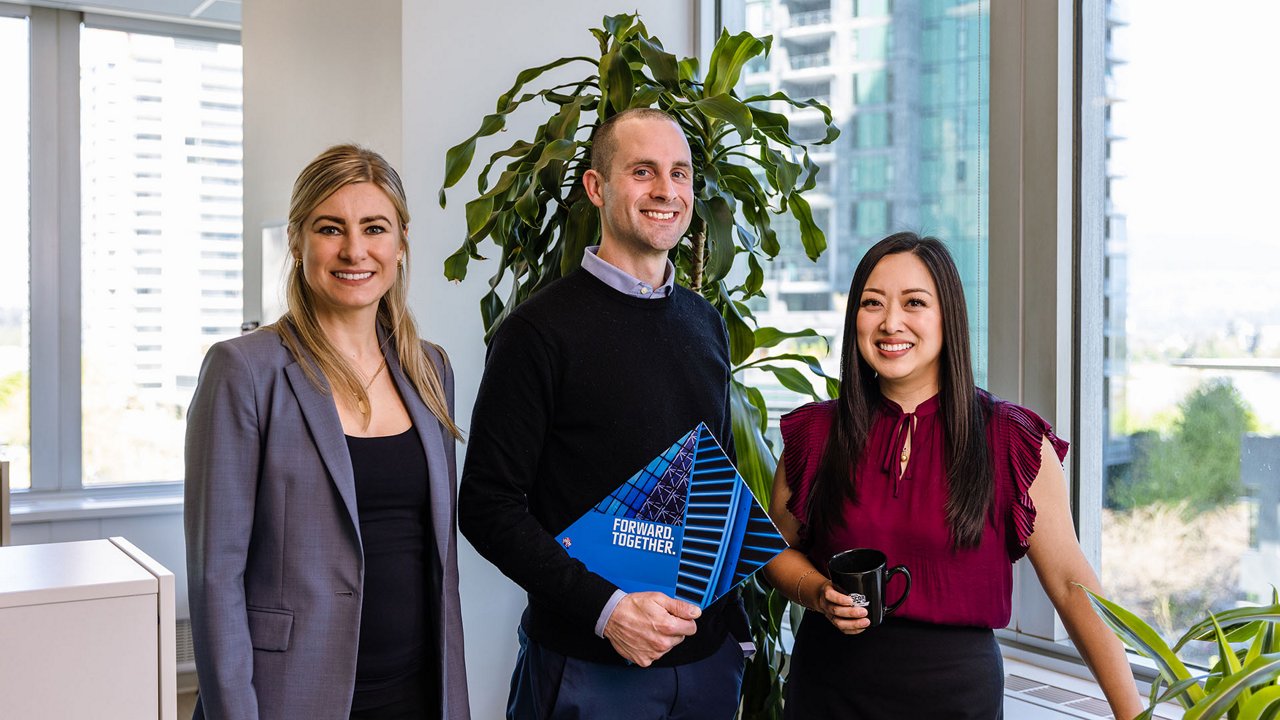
<point>907,85</point>
<point>162,252</point>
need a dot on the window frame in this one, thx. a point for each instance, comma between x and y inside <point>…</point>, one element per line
<point>57,483</point>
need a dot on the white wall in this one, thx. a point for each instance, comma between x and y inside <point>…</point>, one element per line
<point>458,58</point>
<point>316,73</point>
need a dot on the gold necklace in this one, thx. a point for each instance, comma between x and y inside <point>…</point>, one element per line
<point>361,406</point>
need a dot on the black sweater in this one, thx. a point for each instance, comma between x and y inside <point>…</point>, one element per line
<point>584,385</point>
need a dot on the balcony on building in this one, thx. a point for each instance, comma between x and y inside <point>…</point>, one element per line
<point>808,19</point>
<point>819,90</point>
<point>808,56</point>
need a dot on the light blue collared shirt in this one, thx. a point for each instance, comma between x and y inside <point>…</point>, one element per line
<point>622,281</point>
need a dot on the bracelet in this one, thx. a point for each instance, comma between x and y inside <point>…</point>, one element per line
<point>806,574</point>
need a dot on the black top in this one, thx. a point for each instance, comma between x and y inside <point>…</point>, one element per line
<point>395,659</point>
<point>582,387</point>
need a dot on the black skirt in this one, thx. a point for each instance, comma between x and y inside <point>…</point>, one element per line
<point>900,670</point>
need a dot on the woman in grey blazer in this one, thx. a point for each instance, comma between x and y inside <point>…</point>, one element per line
<point>320,491</point>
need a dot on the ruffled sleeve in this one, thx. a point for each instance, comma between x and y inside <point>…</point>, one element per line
<point>1021,434</point>
<point>804,436</point>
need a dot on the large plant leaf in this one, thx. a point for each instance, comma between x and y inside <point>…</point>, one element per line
<point>618,24</point>
<point>478,213</point>
<point>1229,619</point>
<point>661,63</point>
<point>1137,634</point>
<point>781,172</point>
<point>1217,703</point>
<point>767,337</point>
<point>718,216</point>
<point>727,109</point>
<point>1264,705</point>
<point>811,236</point>
<point>791,378</point>
<point>808,361</point>
<point>458,158</point>
<point>1227,658</point>
<point>455,266</point>
<point>616,82</point>
<point>505,104</point>
<point>754,459</point>
<point>580,233</point>
<point>728,57</point>
<point>832,132</point>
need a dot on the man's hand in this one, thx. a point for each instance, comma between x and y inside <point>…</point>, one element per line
<point>645,625</point>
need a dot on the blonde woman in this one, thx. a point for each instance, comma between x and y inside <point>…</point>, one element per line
<point>320,493</point>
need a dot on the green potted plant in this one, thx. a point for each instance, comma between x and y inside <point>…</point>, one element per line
<point>1241,685</point>
<point>748,168</point>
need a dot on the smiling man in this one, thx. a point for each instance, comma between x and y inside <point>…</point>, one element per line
<point>584,384</point>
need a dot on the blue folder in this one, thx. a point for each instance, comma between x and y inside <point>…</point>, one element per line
<point>685,525</point>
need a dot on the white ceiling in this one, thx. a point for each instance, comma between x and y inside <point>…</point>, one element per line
<point>221,13</point>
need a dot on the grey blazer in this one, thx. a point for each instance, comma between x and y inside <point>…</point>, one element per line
<point>274,561</point>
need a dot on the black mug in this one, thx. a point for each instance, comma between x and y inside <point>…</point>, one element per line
<point>860,573</point>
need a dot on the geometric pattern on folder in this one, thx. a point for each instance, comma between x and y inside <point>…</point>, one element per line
<point>658,492</point>
<point>721,534</point>
<point>728,536</point>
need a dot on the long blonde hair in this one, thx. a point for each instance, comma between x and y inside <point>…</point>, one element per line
<point>333,169</point>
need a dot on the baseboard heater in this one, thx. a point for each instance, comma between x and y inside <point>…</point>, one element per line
<point>1066,702</point>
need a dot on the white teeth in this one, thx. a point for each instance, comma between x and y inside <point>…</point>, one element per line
<point>353,276</point>
<point>894,347</point>
<point>659,215</point>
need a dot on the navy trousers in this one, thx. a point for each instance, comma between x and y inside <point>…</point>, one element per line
<point>549,686</point>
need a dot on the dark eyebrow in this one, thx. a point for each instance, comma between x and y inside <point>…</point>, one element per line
<point>330,218</point>
<point>908,291</point>
<point>374,218</point>
<point>654,163</point>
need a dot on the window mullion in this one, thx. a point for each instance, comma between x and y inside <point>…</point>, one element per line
<point>1031,238</point>
<point>1089,472</point>
<point>55,250</point>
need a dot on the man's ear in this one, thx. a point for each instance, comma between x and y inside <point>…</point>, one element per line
<point>593,183</point>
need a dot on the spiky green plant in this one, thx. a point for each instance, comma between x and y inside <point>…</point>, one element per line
<point>1241,685</point>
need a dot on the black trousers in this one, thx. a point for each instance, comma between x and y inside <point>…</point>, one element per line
<point>901,669</point>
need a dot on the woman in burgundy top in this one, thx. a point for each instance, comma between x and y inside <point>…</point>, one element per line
<point>942,477</point>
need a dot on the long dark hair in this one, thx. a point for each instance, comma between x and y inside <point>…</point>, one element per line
<point>970,491</point>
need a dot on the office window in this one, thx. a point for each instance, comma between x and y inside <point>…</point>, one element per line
<point>873,129</point>
<point>877,98</point>
<point>133,411</point>
<point>874,43</point>
<point>872,86</point>
<point>1191,517</point>
<point>15,272</point>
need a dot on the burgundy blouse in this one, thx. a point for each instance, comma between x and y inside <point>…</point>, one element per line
<point>902,513</point>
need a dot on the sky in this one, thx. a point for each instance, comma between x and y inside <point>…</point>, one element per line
<point>1200,163</point>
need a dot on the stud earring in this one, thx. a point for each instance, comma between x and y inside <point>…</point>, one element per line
<point>297,263</point>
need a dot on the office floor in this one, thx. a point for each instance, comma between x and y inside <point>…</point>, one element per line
<point>186,704</point>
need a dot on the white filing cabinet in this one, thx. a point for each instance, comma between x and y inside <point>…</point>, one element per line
<point>86,631</point>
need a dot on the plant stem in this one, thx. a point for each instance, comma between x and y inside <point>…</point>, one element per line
<point>699,254</point>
